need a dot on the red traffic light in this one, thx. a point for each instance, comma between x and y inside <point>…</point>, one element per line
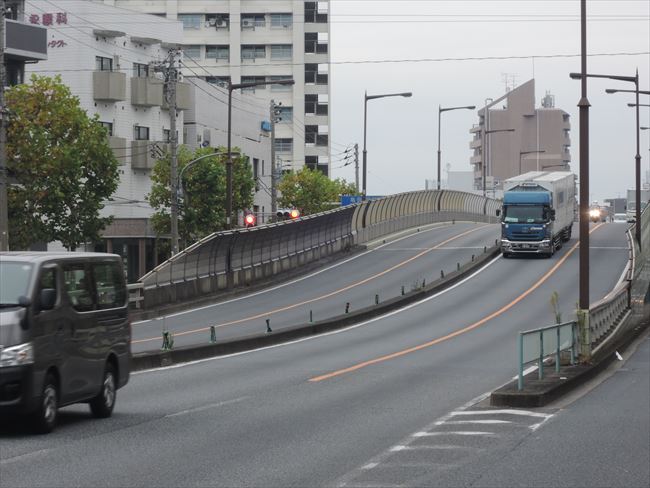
<point>294,214</point>
<point>250,220</point>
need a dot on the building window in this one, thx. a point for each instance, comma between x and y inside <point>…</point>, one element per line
<point>281,21</point>
<point>256,166</point>
<point>316,42</point>
<point>281,51</point>
<point>218,21</point>
<point>140,70</point>
<point>103,64</point>
<point>108,126</point>
<point>15,72</point>
<point>311,162</point>
<point>251,21</point>
<point>253,79</point>
<point>285,115</point>
<point>14,10</point>
<point>280,88</point>
<point>191,21</point>
<point>253,51</point>
<point>283,145</point>
<point>316,12</point>
<point>167,135</point>
<point>193,52</point>
<point>316,105</point>
<point>316,74</point>
<point>217,52</point>
<point>316,135</point>
<point>221,81</point>
<point>140,133</point>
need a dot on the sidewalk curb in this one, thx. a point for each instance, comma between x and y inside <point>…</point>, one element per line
<point>538,393</point>
<point>149,360</point>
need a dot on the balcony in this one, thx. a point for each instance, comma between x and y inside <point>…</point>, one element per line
<point>109,86</point>
<point>25,42</point>
<point>477,159</point>
<point>476,143</point>
<point>183,97</point>
<point>146,92</point>
<point>141,155</point>
<point>118,146</point>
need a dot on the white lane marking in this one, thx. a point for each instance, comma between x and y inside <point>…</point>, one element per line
<point>454,432</point>
<point>397,448</point>
<point>437,249</point>
<point>340,331</point>
<point>467,422</point>
<point>428,448</point>
<point>206,407</point>
<point>282,285</point>
<point>370,466</point>
<point>501,412</point>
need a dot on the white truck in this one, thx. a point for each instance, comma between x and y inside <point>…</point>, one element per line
<point>538,212</point>
<point>630,209</point>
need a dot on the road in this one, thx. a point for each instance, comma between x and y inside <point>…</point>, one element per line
<point>382,271</point>
<point>317,411</point>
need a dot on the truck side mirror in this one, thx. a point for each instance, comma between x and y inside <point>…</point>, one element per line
<point>552,214</point>
<point>498,212</point>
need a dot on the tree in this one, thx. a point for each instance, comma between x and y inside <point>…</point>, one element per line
<point>311,191</point>
<point>203,208</point>
<point>61,166</point>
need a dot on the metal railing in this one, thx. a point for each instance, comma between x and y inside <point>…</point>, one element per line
<point>226,260</point>
<point>538,344</point>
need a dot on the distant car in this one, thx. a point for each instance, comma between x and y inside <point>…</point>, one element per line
<point>620,217</point>
<point>596,214</point>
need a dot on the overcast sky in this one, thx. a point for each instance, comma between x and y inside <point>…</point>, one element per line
<point>402,132</point>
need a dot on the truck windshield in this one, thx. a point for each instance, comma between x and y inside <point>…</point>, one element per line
<point>524,214</point>
<point>14,281</point>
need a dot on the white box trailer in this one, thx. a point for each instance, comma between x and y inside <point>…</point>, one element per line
<point>538,212</point>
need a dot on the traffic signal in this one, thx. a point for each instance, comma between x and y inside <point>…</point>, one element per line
<point>288,214</point>
<point>250,220</point>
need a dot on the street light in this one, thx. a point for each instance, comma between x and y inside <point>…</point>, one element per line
<point>521,153</point>
<point>181,189</point>
<point>447,109</point>
<point>486,141</point>
<point>232,87</point>
<point>637,157</point>
<point>365,120</point>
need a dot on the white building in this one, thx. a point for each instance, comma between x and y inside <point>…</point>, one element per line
<point>206,123</point>
<point>106,62</point>
<point>245,41</point>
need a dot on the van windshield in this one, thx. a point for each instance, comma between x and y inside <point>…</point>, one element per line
<point>524,214</point>
<point>14,281</point>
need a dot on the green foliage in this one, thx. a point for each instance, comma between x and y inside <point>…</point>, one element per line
<point>311,191</point>
<point>203,208</point>
<point>61,166</point>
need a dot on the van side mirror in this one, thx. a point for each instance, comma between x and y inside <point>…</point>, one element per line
<point>47,299</point>
<point>498,212</point>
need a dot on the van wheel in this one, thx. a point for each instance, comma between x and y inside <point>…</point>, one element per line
<point>47,413</point>
<point>102,405</point>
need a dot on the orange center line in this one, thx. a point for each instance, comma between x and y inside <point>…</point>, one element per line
<point>457,332</point>
<point>322,297</point>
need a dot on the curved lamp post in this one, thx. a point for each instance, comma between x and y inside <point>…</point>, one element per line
<point>447,109</point>
<point>365,120</point>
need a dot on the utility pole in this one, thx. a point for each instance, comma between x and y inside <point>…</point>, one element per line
<point>171,78</point>
<point>274,170</point>
<point>4,212</point>
<point>356,165</point>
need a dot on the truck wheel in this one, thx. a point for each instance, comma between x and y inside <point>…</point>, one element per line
<point>102,405</point>
<point>47,413</point>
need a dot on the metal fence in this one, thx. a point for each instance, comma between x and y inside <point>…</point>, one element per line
<point>230,259</point>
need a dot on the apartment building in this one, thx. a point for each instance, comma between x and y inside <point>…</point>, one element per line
<point>247,41</point>
<point>107,61</point>
<point>519,137</point>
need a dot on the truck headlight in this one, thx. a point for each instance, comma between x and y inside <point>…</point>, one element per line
<point>17,355</point>
<point>595,213</point>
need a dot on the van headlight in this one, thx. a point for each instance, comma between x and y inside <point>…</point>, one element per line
<point>17,355</point>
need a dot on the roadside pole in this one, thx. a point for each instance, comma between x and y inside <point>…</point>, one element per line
<point>4,211</point>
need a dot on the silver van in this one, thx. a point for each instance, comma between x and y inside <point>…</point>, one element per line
<point>65,334</point>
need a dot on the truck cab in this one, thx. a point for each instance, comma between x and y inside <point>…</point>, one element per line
<point>526,222</point>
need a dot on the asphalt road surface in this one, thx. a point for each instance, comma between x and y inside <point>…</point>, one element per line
<point>317,411</point>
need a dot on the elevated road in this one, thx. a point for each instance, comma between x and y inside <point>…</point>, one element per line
<point>320,411</point>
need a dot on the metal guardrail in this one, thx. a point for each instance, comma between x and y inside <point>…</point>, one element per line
<point>135,294</point>
<point>537,344</point>
<point>226,260</point>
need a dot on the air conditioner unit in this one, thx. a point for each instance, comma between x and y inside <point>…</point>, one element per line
<point>247,23</point>
<point>221,23</point>
<point>211,22</point>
